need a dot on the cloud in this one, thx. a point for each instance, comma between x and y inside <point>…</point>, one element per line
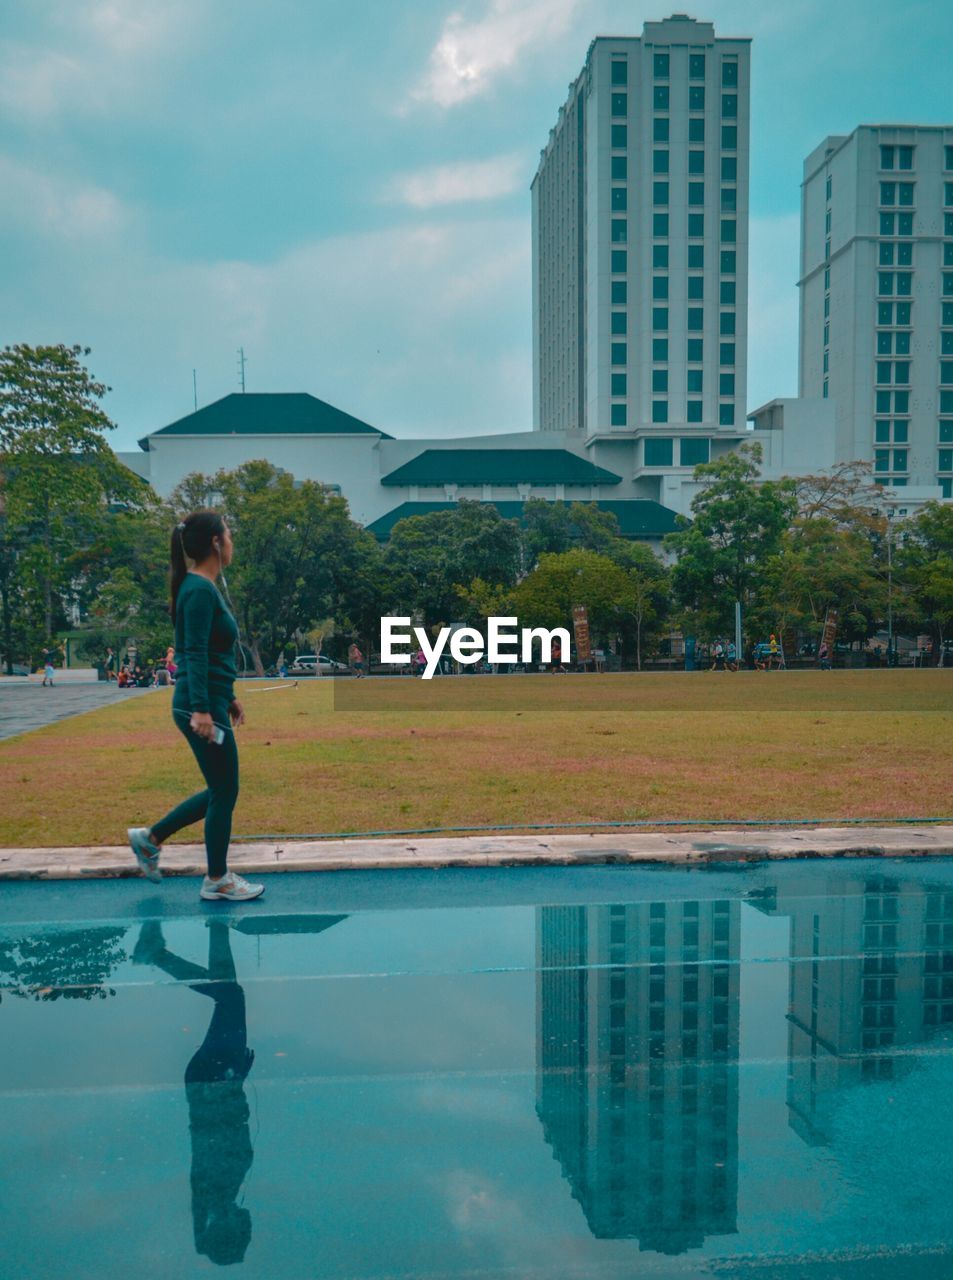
<point>456,183</point>
<point>59,207</point>
<point>94,57</point>
<point>469,55</point>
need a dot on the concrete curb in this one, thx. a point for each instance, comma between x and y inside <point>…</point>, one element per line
<point>687,848</point>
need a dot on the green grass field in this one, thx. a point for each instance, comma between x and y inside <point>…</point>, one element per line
<point>398,753</point>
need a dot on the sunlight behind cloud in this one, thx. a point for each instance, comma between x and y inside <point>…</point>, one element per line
<point>469,55</point>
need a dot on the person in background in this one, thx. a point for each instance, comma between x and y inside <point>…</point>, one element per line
<point>824,656</point>
<point>109,665</point>
<point>48,668</point>
<point>356,661</point>
<point>718,663</point>
<point>170,662</point>
<point>731,656</point>
<point>420,662</point>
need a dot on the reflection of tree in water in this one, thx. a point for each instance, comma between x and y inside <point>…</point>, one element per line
<point>73,964</point>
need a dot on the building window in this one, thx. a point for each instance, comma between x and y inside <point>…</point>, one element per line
<point>945,460</point>
<point>901,373</point>
<point>696,348</point>
<point>660,348</point>
<point>882,402</point>
<point>947,313</point>
<point>660,380</point>
<point>692,452</point>
<point>620,135</point>
<point>620,230</point>
<point>660,66</point>
<point>696,288</point>
<point>696,162</point>
<point>903,314</point>
<point>948,224</point>
<point>901,402</point>
<point>696,257</point>
<point>888,193</point>
<point>946,341</point>
<point>619,260</point>
<point>729,74</point>
<point>885,283</point>
<point>696,129</point>
<point>884,344</point>
<point>946,488</point>
<point>905,157</point>
<point>827,333</point>
<point>696,66</point>
<point>619,353</point>
<point>901,432</point>
<point>729,105</point>
<point>947,284</point>
<point>660,411</point>
<point>660,97</point>
<point>660,162</point>
<point>658,453</point>
<point>888,224</point>
<point>620,292</point>
<point>696,319</point>
<point>729,199</point>
<point>726,415</point>
<point>619,383</point>
<point>659,224</point>
<point>726,353</point>
<point>696,193</point>
<point>948,154</point>
<point>905,193</point>
<point>617,415</point>
<point>902,344</point>
<point>729,137</point>
<point>728,262</point>
<point>729,168</point>
<point>660,319</point>
<point>886,253</point>
<point>827,223</point>
<point>620,199</point>
<point>696,97</point>
<point>696,225</point>
<point>900,459</point>
<point>660,129</point>
<point>726,384</point>
<point>881,460</point>
<point>620,168</point>
<point>620,104</point>
<point>946,373</point>
<point>695,381</point>
<point>660,193</point>
<point>660,287</point>
<point>727,323</point>
<point>904,224</point>
<point>729,230</point>
<point>887,157</point>
<point>620,72</point>
<point>828,187</point>
<point>694,411</point>
<point>947,253</point>
<point>946,401</point>
<point>619,323</point>
<point>883,371</point>
<point>660,256</point>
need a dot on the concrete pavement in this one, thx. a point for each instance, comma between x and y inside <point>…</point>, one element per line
<point>26,705</point>
<point>686,848</point>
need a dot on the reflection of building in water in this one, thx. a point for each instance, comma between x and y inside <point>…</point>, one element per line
<point>636,1061</point>
<point>871,968</point>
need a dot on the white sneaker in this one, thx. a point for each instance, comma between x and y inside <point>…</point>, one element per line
<point>147,855</point>
<point>231,888</point>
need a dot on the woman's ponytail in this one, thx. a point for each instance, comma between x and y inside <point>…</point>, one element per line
<point>192,539</point>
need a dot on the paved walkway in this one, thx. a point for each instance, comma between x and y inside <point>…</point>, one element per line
<point>29,706</point>
<point>687,848</point>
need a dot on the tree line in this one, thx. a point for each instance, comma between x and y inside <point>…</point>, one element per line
<point>84,549</point>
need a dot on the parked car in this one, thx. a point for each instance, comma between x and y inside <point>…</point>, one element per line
<point>17,669</point>
<point>317,664</point>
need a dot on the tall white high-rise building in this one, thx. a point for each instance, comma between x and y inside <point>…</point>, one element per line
<point>876,315</point>
<point>640,246</point>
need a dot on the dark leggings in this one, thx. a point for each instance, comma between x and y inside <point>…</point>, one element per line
<point>219,765</point>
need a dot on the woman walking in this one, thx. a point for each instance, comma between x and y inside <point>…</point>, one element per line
<point>204,707</point>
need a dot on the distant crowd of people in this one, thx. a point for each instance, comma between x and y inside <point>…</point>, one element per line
<point>131,674</point>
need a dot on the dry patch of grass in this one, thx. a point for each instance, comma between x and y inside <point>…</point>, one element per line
<point>379,754</point>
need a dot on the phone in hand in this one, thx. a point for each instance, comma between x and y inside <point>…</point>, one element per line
<point>218,735</point>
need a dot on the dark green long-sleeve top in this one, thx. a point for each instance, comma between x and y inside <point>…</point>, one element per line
<point>205,636</point>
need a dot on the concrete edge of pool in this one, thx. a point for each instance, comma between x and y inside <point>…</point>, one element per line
<point>685,848</point>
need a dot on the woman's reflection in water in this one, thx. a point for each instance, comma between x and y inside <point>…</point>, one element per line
<point>215,1088</point>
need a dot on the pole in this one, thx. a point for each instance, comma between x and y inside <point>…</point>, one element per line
<point>241,368</point>
<point>738,632</point>
<point>195,391</point>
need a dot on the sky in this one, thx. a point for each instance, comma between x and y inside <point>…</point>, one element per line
<point>342,188</point>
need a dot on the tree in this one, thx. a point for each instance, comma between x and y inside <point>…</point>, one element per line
<point>649,588</point>
<point>58,470</point>
<point>298,554</point>
<point>559,526</point>
<point>546,597</point>
<point>433,558</point>
<point>737,523</point>
<point>821,565</point>
<point>846,495</point>
<point>925,571</point>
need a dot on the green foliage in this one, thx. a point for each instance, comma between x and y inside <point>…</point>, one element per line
<point>737,525</point>
<point>925,571</point>
<point>431,559</point>
<point>560,526</point>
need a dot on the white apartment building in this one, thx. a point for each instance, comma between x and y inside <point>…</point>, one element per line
<point>876,300</point>
<point>640,248</point>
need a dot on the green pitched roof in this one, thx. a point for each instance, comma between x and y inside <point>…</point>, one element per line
<point>637,517</point>
<point>267,414</point>
<point>499,466</point>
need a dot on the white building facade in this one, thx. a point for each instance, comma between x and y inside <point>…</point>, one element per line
<point>876,300</point>
<point>640,246</point>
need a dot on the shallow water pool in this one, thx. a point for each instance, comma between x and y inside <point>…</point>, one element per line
<point>591,1072</point>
